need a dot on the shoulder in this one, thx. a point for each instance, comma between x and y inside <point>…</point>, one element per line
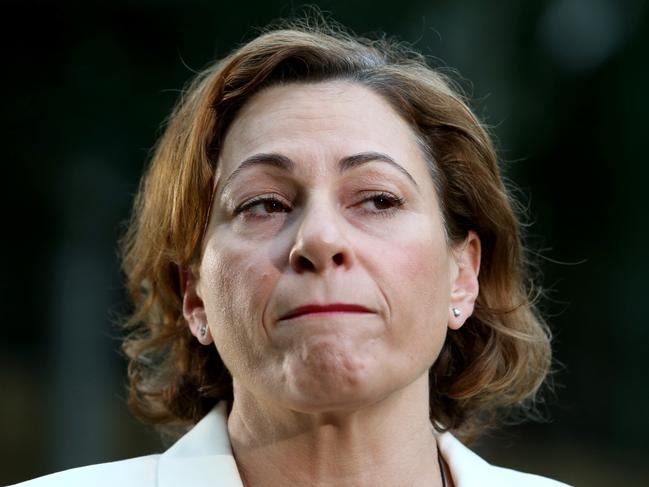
<point>201,458</point>
<point>140,471</point>
<point>469,470</point>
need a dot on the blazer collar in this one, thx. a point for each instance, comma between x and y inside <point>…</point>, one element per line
<point>202,457</point>
<point>466,467</point>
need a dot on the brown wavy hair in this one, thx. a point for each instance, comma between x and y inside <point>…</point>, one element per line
<point>499,358</point>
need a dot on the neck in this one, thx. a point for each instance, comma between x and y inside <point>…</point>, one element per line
<point>389,442</point>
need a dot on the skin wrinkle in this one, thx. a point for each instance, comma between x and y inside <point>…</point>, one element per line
<point>328,390</point>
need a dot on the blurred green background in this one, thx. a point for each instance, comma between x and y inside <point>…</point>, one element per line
<point>563,83</point>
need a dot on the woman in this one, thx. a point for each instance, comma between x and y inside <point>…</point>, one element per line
<point>328,278</point>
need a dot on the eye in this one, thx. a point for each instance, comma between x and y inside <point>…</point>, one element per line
<point>262,206</point>
<point>381,203</point>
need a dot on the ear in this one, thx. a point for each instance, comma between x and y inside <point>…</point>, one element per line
<point>193,307</point>
<point>465,287</point>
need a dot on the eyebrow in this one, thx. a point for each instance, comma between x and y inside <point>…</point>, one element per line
<point>280,161</point>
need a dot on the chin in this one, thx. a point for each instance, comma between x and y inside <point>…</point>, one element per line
<point>328,379</point>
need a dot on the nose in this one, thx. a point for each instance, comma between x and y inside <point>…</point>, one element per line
<point>321,241</point>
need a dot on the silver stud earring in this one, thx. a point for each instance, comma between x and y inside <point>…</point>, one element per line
<point>456,312</point>
<point>203,330</point>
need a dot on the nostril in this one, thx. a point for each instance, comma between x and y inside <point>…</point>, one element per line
<point>304,263</point>
<point>338,258</point>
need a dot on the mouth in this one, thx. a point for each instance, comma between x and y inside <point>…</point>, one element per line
<point>327,308</point>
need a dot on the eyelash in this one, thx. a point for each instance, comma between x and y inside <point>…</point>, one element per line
<point>261,199</point>
<point>395,203</point>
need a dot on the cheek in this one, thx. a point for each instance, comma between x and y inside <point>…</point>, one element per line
<point>236,283</point>
<point>419,267</point>
<point>416,282</point>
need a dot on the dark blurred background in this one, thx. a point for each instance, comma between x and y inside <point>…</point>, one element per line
<point>563,83</point>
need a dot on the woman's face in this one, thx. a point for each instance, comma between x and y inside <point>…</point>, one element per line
<point>326,279</point>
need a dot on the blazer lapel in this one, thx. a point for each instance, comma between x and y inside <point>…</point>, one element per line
<point>202,457</point>
<point>467,468</point>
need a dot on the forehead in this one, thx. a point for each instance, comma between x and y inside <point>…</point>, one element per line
<point>319,123</point>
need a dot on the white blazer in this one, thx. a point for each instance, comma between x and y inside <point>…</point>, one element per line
<point>203,458</point>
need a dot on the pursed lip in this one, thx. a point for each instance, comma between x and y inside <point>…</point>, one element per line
<point>326,308</point>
